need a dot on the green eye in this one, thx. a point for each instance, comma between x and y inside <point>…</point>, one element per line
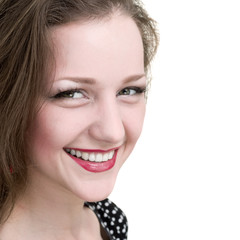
<point>74,94</point>
<point>129,91</point>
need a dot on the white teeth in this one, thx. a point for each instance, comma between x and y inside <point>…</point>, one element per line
<point>78,154</point>
<point>105,157</point>
<point>85,155</point>
<point>110,155</point>
<point>99,157</point>
<point>93,157</point>
<point>73,152</point>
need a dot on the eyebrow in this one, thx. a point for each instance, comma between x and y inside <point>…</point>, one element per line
<point>134,78</point>
<point>92,81</point>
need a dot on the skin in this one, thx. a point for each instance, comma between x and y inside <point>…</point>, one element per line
<point>107,56</point>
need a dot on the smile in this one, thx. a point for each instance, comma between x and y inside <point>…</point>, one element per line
<point>93,160</point>
<point>93,156</point>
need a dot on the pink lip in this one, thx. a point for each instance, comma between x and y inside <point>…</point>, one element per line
<point>95,167</point>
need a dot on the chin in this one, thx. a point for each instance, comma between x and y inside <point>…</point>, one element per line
<point>94,191</point>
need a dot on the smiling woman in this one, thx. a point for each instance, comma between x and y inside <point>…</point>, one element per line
<point>73,78</point>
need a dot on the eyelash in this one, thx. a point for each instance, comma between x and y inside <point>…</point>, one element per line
<point>138,90</point>
<point>61,93</point>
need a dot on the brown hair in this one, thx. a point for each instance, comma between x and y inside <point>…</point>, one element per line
<point>25,52</point>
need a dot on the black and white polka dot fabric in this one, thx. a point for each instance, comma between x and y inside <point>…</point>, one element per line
<point>112,218</point>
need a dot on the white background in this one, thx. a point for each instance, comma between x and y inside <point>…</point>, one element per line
<point>183,179</point>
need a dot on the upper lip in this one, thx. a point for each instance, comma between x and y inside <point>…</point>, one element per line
<point>92,150</point>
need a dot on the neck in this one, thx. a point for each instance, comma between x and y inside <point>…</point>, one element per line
<point>49,209</point>
<point>51,203</point>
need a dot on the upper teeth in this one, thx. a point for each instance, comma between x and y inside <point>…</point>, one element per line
<point>93,157</point>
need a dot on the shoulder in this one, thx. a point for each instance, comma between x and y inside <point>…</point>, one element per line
<point>111,217</point>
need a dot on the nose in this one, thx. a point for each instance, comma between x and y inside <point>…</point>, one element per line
<point>109,125</point>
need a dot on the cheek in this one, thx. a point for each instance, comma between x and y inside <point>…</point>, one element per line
<point>49,132</point>
<point>41,138</point>
<point>134,122</point>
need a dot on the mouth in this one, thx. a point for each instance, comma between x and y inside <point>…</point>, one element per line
<point>93,160</point>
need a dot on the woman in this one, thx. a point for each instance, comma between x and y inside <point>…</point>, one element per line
<point>73,77</point>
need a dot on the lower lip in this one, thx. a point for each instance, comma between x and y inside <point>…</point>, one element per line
<point>96,167</point>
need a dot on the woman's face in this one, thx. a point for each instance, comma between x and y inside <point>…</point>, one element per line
<point>94,113</point>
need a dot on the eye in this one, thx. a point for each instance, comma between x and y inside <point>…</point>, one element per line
<point>129,91</point>
<point>73,94</point>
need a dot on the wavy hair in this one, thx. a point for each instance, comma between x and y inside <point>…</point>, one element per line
<point>25,57</point>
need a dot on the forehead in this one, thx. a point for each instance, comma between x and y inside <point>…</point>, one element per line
<point>98,49</point>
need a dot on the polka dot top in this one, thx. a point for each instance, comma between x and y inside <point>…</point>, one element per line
<point>111,218</point>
